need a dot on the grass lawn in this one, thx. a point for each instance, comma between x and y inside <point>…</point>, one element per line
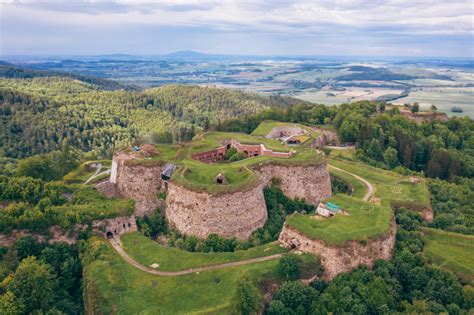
<point>266,126</point>
<point>389,186</point>
<point>359,189</point>
<point>365,220</point>
<point>347,153</point>
<point>83,172</point>
<point>147,252</point>
<point>115,287</point>
<point>452,251</point>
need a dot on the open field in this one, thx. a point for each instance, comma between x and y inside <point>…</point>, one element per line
<point>452,251</point>
<point>148,252</point>
<point>114,286</point>
<point>389,186</point>
<point>351,94</point>
<point>84,171</point>
<point>365,220</point>
<point>444,98</point>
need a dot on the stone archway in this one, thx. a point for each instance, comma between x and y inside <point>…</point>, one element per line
<point>110,235</point>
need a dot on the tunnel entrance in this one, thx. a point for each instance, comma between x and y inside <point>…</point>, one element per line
<point>110,234</point>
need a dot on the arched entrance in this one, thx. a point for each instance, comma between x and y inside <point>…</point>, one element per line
<point>110,234</point>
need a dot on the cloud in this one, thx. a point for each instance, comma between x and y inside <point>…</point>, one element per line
<point>323,20</point>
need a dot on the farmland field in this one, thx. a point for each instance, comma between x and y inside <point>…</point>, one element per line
<point>444,98</point>
<point>352,94</point>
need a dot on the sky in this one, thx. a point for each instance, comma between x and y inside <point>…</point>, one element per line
<point>341,28</point>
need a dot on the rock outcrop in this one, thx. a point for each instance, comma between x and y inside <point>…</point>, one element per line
<point>339,259</point>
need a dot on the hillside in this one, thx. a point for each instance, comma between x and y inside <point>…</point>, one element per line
<point>43,114</point>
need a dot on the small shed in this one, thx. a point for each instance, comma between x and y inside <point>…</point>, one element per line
<point>220,179</point>
<point>168,171</point>
<point>327,209</point>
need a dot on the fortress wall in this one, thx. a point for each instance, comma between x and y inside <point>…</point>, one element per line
<point>339,259</point>
<point>309,182</point>
<point>141,183</point>
<point>232,214</point>
<point>115,227</point>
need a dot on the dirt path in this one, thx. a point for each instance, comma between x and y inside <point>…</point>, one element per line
<point>96,174</point>
<point>137,265</point>
<point>370,188</point>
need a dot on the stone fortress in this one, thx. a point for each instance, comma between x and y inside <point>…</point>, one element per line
<point>228,214</point>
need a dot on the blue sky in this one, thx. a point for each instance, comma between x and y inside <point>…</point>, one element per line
<point>300,27</point>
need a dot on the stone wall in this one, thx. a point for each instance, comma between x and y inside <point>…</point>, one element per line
<point>309,182</point>
<point>111,228</point>
<point>140,183</point>
<point>339,259</point>
<point>232,214</point>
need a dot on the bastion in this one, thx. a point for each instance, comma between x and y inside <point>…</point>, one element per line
<point>202,193</point>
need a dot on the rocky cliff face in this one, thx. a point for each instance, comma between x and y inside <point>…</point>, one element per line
<point>339,259</point>
<point>233,214</point>
<point>142,184</point>
<point>309,182</point>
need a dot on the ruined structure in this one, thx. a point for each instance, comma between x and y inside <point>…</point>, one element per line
<point>343,258</point>
<point>250,150</point>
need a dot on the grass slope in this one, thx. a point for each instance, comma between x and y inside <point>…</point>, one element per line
<point>266,126</point>
<point>365,220</point>
<point>452,251</point>
<point>114,287</point>
<point>147,252</point>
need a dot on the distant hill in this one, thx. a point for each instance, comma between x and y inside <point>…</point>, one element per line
<point>8,70</point>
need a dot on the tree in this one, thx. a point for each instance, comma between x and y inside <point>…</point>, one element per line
<point>289,266</point>
<point>33,284</point>
<point>391,157</point>
<point>247,296</point>
<point>415,108</point>
<point>11,305</point>
<point>295,294</point>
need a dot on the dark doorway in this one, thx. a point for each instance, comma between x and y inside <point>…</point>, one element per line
<point>110,235</point>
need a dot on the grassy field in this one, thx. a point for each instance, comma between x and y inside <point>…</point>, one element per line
<point>452,251</point>
<point>359,189</point>
<point>84,171</point>
<point>365,220</point>
<point>148,252</point>
<point>115,287</point>
<point>389,186</point>
<point>266,126</point>
<point>347,153</point>
<point>444,98</point>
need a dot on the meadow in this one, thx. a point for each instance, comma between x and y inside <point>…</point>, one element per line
<point>452,251</point>
<point>147,252</point>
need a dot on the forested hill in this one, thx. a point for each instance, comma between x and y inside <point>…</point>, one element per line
<point>42,114</point>
<point>11,71</point>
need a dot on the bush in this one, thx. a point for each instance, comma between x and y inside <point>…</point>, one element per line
<point>289,266</point>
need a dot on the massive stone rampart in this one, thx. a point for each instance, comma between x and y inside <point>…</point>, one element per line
<point>339,259</point>
<point>309,182</point>
<point>231,214</point>
<point>140,183</point>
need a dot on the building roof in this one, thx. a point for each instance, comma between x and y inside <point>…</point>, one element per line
<point>168,170</point>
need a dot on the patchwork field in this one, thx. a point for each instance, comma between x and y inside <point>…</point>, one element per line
<point>452,251</point>
<point>444,98</point>
<point>352,94</point>
<point>148,252</point>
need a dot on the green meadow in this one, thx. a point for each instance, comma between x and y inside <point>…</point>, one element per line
<point>452,251</point>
